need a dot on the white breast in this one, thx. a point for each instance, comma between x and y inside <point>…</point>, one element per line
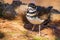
<point>35,20</point>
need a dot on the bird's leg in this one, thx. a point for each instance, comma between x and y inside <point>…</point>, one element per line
<point>33,27</point>
<point>39,30</point>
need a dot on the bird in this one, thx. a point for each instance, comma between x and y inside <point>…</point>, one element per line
<point>48,9</point>
<point>32,16</point>
<point>41,9</point>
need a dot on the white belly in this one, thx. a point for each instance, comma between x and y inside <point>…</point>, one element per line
<point>35,20</point>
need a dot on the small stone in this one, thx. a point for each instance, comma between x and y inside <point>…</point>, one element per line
<point>1,35</point>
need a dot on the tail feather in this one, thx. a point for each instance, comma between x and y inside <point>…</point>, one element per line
<point>48,9</point>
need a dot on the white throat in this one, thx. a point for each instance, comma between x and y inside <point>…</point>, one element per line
<point>31,14</point>
<point>31,9</point>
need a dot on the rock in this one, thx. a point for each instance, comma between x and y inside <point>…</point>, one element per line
<point>9,12</point>
<point>1,35</point>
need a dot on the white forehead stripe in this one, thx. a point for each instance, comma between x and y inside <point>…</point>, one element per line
<point>32,11</point>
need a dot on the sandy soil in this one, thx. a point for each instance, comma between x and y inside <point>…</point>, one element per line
<point>14,29</point>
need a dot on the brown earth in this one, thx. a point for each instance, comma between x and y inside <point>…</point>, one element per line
<point>46,3</point>
<point>14,29</point>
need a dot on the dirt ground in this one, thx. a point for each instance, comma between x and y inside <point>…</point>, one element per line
<point>15,30</point>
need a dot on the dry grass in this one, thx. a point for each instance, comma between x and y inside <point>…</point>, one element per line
<point>14,29</point>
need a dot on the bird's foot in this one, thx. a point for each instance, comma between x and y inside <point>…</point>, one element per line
<point>33,28</point>
<point>42,34</point>
<point>39,34</point>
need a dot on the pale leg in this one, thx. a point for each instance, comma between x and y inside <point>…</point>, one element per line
<point>33,27</point>
<point>39,30</point>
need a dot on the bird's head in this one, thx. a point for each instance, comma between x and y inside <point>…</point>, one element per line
<point>31,9</point>
<point>32,5</point>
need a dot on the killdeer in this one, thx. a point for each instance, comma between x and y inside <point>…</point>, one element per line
<point>32,16</point>
<point>33,13</point>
